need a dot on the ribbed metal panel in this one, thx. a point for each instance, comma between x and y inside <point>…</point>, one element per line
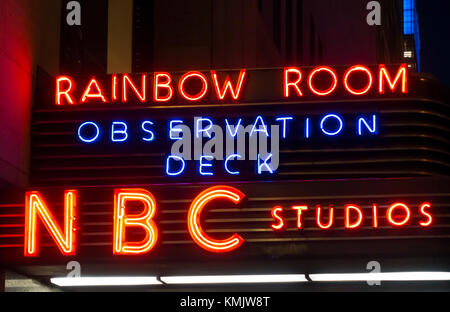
<point>412,141</point>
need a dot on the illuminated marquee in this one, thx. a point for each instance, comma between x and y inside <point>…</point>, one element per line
<point>195,87</point>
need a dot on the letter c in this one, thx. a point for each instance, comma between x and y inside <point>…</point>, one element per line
<point>194,226</point>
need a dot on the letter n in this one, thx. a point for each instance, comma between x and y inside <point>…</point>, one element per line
<point>36,206</point>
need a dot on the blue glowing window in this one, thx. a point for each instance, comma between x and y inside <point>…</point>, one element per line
<point>411,24</point>
<point>409,17</point>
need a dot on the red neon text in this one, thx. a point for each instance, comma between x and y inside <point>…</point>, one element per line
<point>330,217</point>
<point>280,224</point>
<point>288,83</point>
<point>222,92</point>
<point>299,210</point>
<point>426,214</point>
<point>36,206</point>
<point>201,93</point>
<point>144,220</point>
<point>353,216</point>
<point>126,81</point>
<point>292,85</point>
<point>333,76</point>
<point>296,82</point>
<point>348,211</point>
<point>348,216</point>
<point>88,95</point>
<point>194,219</point>
<point>347,78</point>
<point>386,77</point>
<point>60,81</point>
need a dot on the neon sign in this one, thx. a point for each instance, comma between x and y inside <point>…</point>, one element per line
<point>331,124</point>
<point>350,216</point>
<point>397,215</point>
<point>163,89</point>
<point>228,132</point>
<point>195,86</point>
<point>144,220</point>
<point>35,206</point>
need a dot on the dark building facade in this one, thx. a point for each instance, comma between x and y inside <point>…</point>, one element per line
<point>261,33</point>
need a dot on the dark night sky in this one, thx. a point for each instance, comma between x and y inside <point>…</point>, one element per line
<point>434,21</point>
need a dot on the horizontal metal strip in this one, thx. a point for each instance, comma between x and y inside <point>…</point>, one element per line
<point>298,104</point>
<point>68,168</point>
<point>387,196</point>
<point>65,156</point>
<point>263,198</point>
<point>409,134</point>
<point>249,220</point>
<point>251,210</point>
<point>260,198</point>
<point>313,229</point>
<point>413,123</point>
<point>100,178</point>
<point>266,240</point>
<point>247,230</point>
<point>367,149</point>
<point>282,151</point>
<point>280,168</point>
<point>346,173</point>
<point>229,211</point>
<point>249,104</point>
<point>270,230</point>
<point>416,135</point>
<point>365,161</point>
<point>11,235</point>
<point>300,239</point>
<point>375,172</point>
